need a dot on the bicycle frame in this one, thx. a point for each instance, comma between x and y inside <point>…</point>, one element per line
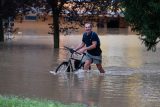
<point>72,58</point>
<point>67,66</point>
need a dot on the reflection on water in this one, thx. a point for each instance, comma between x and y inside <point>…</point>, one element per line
<point>132,77</point>
<point>125,91</point>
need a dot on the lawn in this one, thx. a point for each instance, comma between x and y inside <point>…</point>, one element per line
<point>13,101</point>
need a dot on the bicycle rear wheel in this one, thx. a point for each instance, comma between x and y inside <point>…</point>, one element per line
<point>63,67</point>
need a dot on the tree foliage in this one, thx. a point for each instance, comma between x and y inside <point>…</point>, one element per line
<point>78,11</point>
<point>8,8</point>
<point>144,18</point>
<point>142,15</point>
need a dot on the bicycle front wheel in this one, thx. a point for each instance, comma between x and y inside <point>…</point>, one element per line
<point>63,67</point>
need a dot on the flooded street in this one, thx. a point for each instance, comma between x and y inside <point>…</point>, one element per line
<point>132,74</point>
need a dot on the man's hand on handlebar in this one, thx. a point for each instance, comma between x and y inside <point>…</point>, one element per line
<point>82,50</point>
<point>79,52</point>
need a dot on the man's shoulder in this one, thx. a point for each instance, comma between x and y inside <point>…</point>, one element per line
<point>84,33</point>
<point>94,34</point>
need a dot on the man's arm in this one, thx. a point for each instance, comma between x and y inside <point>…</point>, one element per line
<point>82,44</point>
<point>93,46</point>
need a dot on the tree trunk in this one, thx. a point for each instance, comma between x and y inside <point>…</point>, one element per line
<point>56,8</point>
<point>1,22</point>
<point>56,27</point>
<point>1,30</point>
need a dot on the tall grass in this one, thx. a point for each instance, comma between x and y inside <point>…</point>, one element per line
<point>27,102</point>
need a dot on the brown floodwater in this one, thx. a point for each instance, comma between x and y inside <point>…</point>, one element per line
<point>132,74</point>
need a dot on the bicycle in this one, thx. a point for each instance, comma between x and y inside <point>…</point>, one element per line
<point>67,66</point>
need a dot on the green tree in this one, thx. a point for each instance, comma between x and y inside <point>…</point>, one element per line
<point>94,7</point>
<point>144,18</point>
<point>90,7</point>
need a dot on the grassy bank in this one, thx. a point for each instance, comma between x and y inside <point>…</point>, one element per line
<point>26,102</point>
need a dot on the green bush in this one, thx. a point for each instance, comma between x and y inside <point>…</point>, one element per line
<point>143,16</point>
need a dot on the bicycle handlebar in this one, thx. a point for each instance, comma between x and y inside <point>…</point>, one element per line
<point>73,51</point>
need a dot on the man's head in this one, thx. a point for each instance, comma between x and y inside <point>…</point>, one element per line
<point>88,27</point>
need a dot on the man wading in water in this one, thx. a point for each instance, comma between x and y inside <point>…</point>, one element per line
<point>91,45</point>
